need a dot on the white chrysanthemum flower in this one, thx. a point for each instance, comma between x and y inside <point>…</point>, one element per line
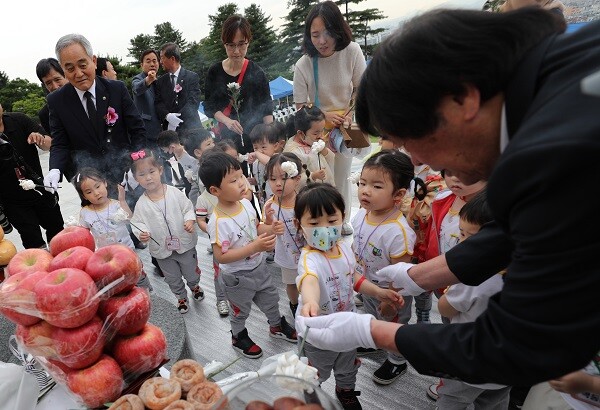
<point>233,86</point>
<point>27,184</point>
<point>189,174</point>
<point>318,146</point>
<point>354,177</point>
<point>289,364</point>
<point>120,216</point>
<point>242,157</point>
<point>289,168</point>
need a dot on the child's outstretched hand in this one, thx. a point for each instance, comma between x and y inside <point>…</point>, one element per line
<point>189,226</point>
<point>278,227</point>
<point>320,174</point>
<point>310,309</point>
<point>269,212</point>
<point>145,236</point>
<point>264,242</point>
<point>390,296</point>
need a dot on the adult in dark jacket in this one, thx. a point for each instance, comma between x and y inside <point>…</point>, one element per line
<point>494,96</point>
<point>93,121</point>
<point>177,92</point>
<point>26,210</point>
<point>256,104</point>
<point>142,87</point>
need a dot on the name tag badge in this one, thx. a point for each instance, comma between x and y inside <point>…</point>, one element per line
<point>173,243</point>
<point>107,238</point>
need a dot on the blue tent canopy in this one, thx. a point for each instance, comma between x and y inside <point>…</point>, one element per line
<point>281,88</point>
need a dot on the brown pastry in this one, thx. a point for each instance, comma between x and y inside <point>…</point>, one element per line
<point>258,405</point>
<point>188,373</point>
<point>204,395</point>
<point>128,402</point>
<point>287,403</point>
<point>180,405</point>
<point>158,392</point>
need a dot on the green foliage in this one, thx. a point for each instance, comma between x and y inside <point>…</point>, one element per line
<point>163,33</point>
<point>139,44</point>
<point>18,89</point>
<point>493,5</point>
<point>263,36</point>
<point>30,105</point>
<point>195,60</point>
<point>212,44</point>
<point>293,29</point>
<point>3,79</point>
<point>359,23</point>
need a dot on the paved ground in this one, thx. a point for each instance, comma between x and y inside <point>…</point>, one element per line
<point>209,337</point>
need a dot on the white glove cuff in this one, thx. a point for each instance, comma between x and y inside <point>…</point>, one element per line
<point>364,331</point>
<point>404,281</point>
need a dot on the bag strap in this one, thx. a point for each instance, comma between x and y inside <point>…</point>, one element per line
<point>227,110</point>
<point>316,75</point>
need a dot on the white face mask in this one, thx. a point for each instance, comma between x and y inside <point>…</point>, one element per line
<point>322,237</point>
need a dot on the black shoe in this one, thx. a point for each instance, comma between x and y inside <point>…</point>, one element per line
<point>140,245</point>
<point>293,308</point>
<point>182,306</point>
<point>422,315</point>
<point>243,344</point>
<point>283,331</point>
<point>348,398</point>
<point>388,372</point>
<point>197,292</point>
<point>365,351</point>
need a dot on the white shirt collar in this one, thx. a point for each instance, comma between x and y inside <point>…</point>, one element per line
<point>177,73</point>
<point>92,91</point>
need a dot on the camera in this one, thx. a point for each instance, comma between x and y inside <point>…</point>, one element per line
<point>4,223</point>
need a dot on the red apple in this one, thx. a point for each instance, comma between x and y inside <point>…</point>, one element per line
<point>56,368</point>
<point>141,352</point>
<point>71,236</point>
<point>37,339</point>
<point>75,257</point>
<point>29,261</point>
<point>18,298</point>
<point>115,262</point>
<point>82,346</point>
<point>126,313</point>
<point>66,297</point>
<point>100,383</point>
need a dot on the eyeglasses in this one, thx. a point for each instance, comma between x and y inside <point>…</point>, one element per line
<point>233,46</point>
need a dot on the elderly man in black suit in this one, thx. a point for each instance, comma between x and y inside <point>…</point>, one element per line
<point>143,86</point>
<point>177,92</point>
<point>93,121</point>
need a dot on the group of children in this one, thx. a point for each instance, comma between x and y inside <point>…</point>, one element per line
<point>288,203</point>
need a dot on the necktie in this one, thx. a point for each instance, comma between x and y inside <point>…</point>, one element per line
<point>173,81</point>
<point>91,108</point>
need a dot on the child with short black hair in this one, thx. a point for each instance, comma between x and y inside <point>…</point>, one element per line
<point>462,304</point>
<point>239,241</point>
<point>196,142</point>
<point>326,278</point>
<point>319,160</point>
<point>175,160</point>
<point>266,144</point>
<point>165,219</point>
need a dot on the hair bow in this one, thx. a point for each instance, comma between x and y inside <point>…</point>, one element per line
<point>138,155</point>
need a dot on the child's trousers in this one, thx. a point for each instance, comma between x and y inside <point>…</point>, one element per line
<point>344,365</point>
<point>178,266</point>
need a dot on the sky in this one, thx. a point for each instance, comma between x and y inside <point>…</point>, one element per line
<point>30,28</point>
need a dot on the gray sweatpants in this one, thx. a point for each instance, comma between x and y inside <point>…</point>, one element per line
<point>344,365</point>
<point>458,395</point>
<point>178,266</point>
<point>370,306</point>
<point>219,292</point>
<point>244,287</point>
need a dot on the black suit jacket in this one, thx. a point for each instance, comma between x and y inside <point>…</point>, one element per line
<point>186,102</point>
<point>143,98</point>
<point>545,322</point>
<point>73,135</point>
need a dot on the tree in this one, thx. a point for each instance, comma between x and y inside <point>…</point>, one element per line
<point>18,89</point>
<point>3,79</point>
<point>165,33</point>
<point>293,29</point>
<point>263,35</point>
<point>212,44</point>
<point>139,44</point>
<point>359,20</point>
<point>30,106</point>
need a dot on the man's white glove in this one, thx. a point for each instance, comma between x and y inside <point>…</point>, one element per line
<point>340,332</point>
<point>51,180</point>
<point>173,120</point>
<point>397,275</point>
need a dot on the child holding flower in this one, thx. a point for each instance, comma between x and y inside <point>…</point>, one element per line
<point>309,146</point>
<point>105,218</point>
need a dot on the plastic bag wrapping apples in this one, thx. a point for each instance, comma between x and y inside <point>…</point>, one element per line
<point>79,313</point>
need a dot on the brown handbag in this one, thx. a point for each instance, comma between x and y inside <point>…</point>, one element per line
<point>354,137</point>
